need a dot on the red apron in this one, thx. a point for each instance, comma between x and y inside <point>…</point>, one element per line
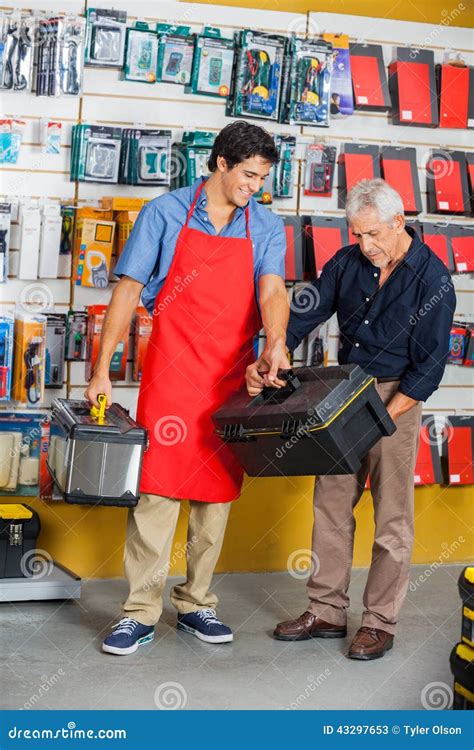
<point>204,321</point>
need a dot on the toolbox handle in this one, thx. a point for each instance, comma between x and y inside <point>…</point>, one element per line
<point>99,412</point>
<point>270,394</point>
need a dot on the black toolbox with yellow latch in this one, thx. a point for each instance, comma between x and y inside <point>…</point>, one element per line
<point>322,422</point>
<point>462,666</point>
<point>19,529</point>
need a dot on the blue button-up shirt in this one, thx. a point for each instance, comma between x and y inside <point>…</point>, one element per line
<point>149,250</point>
<point>400,330</point>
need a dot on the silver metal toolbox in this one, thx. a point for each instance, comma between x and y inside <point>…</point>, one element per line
<point>95,456</point>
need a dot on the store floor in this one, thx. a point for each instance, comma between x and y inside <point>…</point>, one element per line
<point>51,658</point>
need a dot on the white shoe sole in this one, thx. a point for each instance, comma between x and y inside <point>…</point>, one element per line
<point>130,649</point>
<point>207,638</point>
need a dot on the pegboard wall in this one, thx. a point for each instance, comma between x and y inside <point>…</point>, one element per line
<point>108,100</point>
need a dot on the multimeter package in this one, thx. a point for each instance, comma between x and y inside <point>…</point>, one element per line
<point>319,171</point>
<point>17,36</point>
<point>284,170</point>
<point>212,64</point>
<point>175,53</point>
<point>257,75</point>
<point>141,54</point>
<point>306,99</point>
<point>95,153</point>
<point>60,59</point>
<point>146,157</point>
<point>105,37</point>
<point>190,157</point>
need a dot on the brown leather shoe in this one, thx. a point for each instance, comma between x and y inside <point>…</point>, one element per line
<point>307,626</point>
<point>370,643</point>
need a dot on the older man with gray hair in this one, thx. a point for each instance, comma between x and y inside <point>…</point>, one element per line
<point>394,302</point>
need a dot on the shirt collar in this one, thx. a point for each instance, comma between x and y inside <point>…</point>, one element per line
<point>202,200</point>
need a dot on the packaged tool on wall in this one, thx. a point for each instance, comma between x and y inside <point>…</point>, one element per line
<point>51,131</point>
<point>5,226</point>
<point>17,36</point>
<point>50,240</point>
<point>458,449</point>
<point>141,54</point>
<point>319,169</point>
<point>145,157</point>
<point>30,235</point>
<point>189,158</point>
<point>257,76</point>
<point>6,355</point>
<point>60,61</point>
<point>447,182</point>
<point>307,81</point>
<point>142,325</point>
<point>76,335</point>
<point>24,441</point>
<point>284,170</point>
<point>400,170</point>
<point>11,135</point>
<point>412,82</point>
<point>357,161</point>
<point>342,102</point>
<point>55,350</point>
<point>462,242</point>
<point>175,53</point>
<point>29,358</point>
<point>105,37</point>
<point>95,153</point>
<point>369,77</point>
<point>118,363</point>
<point>212,64</point>
<point>458,339</point>
<point>93,245</point>
<point>90,448</point>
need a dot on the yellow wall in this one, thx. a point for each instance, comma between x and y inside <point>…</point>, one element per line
<point>272,519</point>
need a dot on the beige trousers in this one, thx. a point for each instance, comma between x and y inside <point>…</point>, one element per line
<point>390,464</point>
<point>150,531</point>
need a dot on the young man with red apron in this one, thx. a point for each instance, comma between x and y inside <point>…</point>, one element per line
<point>205,317</point>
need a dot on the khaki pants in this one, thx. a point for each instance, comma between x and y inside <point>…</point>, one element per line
<point>150,531</point>
<point>390,464</point>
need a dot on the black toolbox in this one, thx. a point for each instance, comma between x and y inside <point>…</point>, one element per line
<point>322,422</point>
<point>19,529</point>
<point>95,455</point>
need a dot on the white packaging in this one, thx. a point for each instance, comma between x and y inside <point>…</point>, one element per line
<point>50,240</point>
<point>30,228</point>
<point>5,221</point>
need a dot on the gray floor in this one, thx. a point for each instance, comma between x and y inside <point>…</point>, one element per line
<point>51,658</point>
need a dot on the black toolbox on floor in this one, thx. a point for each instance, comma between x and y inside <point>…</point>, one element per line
<point>95,455</point>
<point>19,529</point>
<point>322,422</point>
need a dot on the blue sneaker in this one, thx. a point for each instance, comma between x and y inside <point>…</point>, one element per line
<point>205,626</point>
<point>126,636</point>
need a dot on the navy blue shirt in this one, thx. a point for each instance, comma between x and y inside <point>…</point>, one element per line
<point>400,330</point>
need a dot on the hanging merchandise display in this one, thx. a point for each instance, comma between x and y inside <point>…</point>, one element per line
<point>189,158</point>
<point>55,350</point>
<point>6,355</point>
<point>145,157</point>
<point>11,134</point>
<point>469,354</point>
<point>438,239</point>
<point>325,235</point>
<point>76,335</point>
<point>95,153</point>
<point>453,93</point>
<point>93,245</point>
<point>51,136</point>
<point>17,34</point>
<point>462,242</point>
<point>458,339</point>
<point>50,240</point>
<point>105,37</point>
<point>458,449</point>
<point>307,82</point>
<point>265,193</point>
<point>141,53</point>
<point>212,64</point>
<point>342,102</point>
<point>400,170</point>
<point>294,256</point>
<point>257,75</point>
<point>447,183</point>
<point>284,170</point>
<point>320,161</point>
<point>412,82</point>
<point>357,161</point>
<point>23,446</point>
<point>118,363</point>
<point>142,325</point>
<point>5,226</point>
<point>30,236</point>
<point>29,358</point>
<point>175,53</point>
<point>369,77</point>
<point>428,461</point>
<point>60,60</point>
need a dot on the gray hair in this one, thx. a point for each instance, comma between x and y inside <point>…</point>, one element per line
<point>376,194</point>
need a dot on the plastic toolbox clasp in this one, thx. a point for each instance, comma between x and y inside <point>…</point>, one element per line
<point>15,535</point>
<point>235,433</point>
<point>293,427</point>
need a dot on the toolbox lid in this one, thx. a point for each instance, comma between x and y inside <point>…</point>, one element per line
<point>314,397</point>
<point>14,512</point>
<point>116,426</point>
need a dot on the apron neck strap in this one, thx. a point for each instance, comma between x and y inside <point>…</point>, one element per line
<point>193,204</point>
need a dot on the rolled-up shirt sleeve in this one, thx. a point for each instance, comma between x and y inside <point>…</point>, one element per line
<point>140,256</point>
<point>273,260</point>
<point>429,341</point>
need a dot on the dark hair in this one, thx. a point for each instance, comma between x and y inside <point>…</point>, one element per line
<point>241,140</point>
